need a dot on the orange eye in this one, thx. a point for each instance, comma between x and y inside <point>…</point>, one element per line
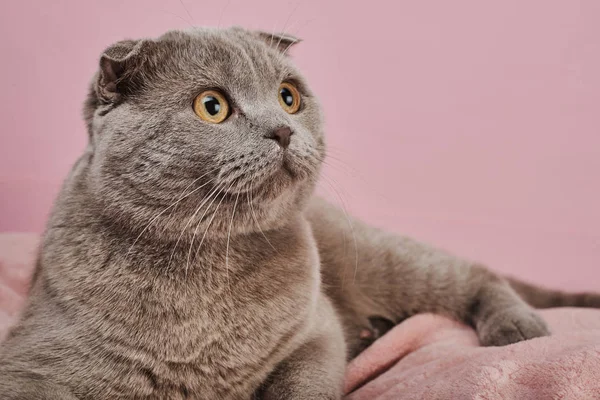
<point>211,106</point>
<point>289,97</point>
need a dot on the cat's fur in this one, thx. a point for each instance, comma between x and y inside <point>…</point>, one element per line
<point>185,260</point>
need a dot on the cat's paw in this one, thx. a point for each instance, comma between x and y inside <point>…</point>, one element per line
<point>512,325</point>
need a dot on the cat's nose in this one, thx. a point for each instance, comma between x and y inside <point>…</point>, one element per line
<point>281,136</point>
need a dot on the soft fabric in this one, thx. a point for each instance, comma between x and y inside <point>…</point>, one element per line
<point>432,357</point>
<point>17,257</point>
<point>425,357</point>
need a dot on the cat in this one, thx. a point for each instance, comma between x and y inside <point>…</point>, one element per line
<point>187,257</point>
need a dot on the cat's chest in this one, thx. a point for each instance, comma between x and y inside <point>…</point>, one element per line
<point>239,332</point>
<point>224,321</point>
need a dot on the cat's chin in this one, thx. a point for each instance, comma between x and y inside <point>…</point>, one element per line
<point>287,173</point>
<point>276,178</point>
<point>279,180</point>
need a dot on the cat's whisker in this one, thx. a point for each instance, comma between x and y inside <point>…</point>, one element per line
<point>296,33</point>
<point>347,169</point>
<point>336,168</point>
<point>211,220</point>
<point>222,13</point>
<point>308,167</point>
<point>285,24</point>
<point>352,172</point>
<point>196,230</point>
<point>290,45</point>
<point>180,17</point>
<point>327,157</point>
<point>342,163</point>
<point>329,190</point>
<point>272,35</point>
<point>339,150</point>
<point>188,223</point>
<point>228,240</point>
<point>188,13</point>
<point>250,203</point>
<point>222,191</point>
<point>344,209</point>
<point>211,181</point>
<point>183,196</point>
<point>339,187</point>
<point>338,155</point>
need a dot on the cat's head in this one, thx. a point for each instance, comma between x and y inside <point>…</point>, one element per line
<point>196,124</point>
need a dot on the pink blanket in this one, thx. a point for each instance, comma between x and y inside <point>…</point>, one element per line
<point>431,357</point>
<point>425,357</point>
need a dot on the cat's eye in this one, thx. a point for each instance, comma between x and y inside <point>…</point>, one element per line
<point>289,97</point>
<point>211,106</point>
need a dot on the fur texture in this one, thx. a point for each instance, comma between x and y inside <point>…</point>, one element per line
<point>188,260</point>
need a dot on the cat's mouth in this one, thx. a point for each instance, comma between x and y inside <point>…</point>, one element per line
<point>282,174</point>
<point>288,167</point>
<point>280,177</point>
<point>283,170</point>
<point>273,178</point>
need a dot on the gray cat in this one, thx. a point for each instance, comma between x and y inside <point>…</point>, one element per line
<point>186,257</point>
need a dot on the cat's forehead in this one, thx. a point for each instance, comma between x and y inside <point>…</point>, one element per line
<point>233,58</point>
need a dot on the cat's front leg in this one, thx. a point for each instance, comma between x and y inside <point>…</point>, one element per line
<point>394,278</point>
<point>499,315</point>
<point>315,370</point>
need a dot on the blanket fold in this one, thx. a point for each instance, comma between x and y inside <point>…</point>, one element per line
<point>432,357</point>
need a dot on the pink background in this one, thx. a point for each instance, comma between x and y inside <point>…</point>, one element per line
<point>472,125</point>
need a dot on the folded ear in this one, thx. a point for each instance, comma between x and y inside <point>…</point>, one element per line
<point>118,66</point>
<point>280,41</point>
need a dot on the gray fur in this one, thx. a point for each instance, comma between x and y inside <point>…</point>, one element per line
<point>185,260</point>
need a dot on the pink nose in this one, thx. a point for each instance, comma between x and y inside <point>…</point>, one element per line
<point>282,136</point>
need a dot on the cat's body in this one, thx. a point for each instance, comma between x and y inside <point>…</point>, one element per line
<point>188,260</point>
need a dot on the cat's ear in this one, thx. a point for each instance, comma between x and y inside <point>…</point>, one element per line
<point>281,41</point>
<point>118,65</point>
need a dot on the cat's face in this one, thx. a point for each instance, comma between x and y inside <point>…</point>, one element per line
<point>200,123</point>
